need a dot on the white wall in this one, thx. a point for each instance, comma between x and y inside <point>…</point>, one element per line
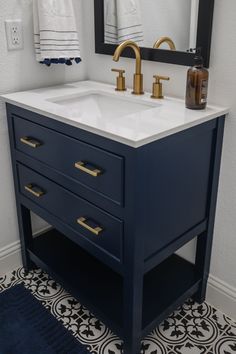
<point>222,91</point>
<point>20,71</point>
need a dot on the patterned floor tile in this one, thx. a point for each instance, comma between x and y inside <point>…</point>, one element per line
<point>189,348</point>
<point>80,321</point>
<point>197,310</point>
<point>191,329</point>
<point>232,325</point>
<point>225,345</point>
<point>171,331</point>
<point>220,319</point>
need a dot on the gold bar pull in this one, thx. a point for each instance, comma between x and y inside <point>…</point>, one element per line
<point>34,190</point>
<point>82,167</point>
<point>30,142</point>
<point>82,222</point>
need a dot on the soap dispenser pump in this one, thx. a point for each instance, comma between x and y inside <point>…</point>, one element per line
<point>197,84</point>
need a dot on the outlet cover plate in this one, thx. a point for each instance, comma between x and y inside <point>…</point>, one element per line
<point>14,33</point>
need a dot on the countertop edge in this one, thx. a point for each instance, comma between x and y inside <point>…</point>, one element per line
<point>134,144</point>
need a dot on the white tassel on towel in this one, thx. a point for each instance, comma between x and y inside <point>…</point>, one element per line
<point>55,32</point>
<point>123,21</point>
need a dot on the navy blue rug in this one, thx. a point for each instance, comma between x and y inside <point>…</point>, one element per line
<point>26,327</point>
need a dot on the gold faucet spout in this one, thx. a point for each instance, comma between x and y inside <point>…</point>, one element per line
<point>162,40</point>
<point>138,77</point>
<point>136,50</point>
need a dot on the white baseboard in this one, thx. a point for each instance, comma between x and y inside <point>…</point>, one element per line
<point>10,258</point>
<point>10,255</point>
<point>222,296</point>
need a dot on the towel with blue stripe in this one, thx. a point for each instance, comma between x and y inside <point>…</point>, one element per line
<point>55,33</point>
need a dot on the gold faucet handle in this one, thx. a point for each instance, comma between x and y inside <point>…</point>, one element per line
<point>158,78</point>
<point>120,71</point>
<point>157,86</point>
<point>120,80</point>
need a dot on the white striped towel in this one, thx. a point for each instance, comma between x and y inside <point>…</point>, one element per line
<point>123,21</point>
<point>55,33</point>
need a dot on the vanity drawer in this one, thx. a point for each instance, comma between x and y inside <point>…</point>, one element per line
<point>90,166</point>
<point>91,223</point>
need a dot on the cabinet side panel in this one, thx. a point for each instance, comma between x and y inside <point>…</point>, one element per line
<point>176,177</point>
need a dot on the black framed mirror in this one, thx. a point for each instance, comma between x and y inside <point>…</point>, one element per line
<point>198,15</point>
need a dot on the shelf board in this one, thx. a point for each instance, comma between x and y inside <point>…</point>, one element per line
<point>100,289</point>
<point>95,285</point>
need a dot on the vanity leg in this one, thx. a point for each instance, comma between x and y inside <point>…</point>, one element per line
<point>203,256</point>
<point>133,298</point>
<point>204,243</point>
<point>26,237</point>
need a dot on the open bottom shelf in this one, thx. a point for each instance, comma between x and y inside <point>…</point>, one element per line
<point>100,289</point>
<point>95,285</point>
<point>165,288</point>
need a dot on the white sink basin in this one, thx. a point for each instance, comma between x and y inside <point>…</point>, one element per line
<point>99,104</point>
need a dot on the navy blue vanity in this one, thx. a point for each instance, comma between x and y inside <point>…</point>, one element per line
<point>119,214</point>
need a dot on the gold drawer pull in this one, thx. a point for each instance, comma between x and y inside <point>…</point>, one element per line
<point>81,166</point>
<point>30,142</point>
<point>34,190</point>
<point>82,222</point>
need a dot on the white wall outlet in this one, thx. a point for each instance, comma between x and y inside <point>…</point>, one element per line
<point>14,33</point>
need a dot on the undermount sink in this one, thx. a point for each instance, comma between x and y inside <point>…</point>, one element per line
<point>102,105</point>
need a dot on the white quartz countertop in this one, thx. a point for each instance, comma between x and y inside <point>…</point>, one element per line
<point>161,118</point>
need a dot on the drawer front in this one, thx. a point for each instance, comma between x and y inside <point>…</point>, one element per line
<point>94,168</point>
<point>94,225</point>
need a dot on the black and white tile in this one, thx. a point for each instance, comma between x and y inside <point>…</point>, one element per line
<point>192,329</point>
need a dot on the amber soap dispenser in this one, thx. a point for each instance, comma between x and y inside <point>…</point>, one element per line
<point>197,84</point>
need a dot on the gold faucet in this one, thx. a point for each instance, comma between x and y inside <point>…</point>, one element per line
<point>138,76</point>
<point>162,40</point>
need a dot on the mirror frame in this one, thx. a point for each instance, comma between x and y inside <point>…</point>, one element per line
<point>204,34</point>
